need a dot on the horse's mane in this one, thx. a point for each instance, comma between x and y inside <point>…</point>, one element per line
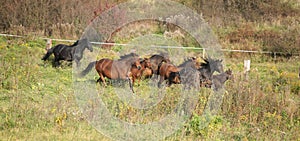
<point>186,61</point>
<point>163,54</point>
<point>129,55</point>
<point>80,41</point>
<point>75,44</point>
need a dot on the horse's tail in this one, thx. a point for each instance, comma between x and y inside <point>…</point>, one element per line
<point>88,69</point>
<point>49,52</point>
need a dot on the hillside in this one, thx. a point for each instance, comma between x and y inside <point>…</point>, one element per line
<point>271,25</point>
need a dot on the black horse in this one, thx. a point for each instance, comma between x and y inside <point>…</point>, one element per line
<point>219,79</point>
<point>69,53</point>
<point>190,62</point>
<point>209,67</point>
<point>194,75</point>
<point>190,78</point>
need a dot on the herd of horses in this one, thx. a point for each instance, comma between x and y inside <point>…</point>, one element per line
<point>191,73</point>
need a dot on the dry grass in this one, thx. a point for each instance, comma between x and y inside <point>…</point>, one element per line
<point>37,101</point>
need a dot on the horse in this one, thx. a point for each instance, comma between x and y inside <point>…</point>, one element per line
<point>69,53</point>
<point>156,60</point>
<point>208,67</point>
<point>147,73</point>
<point>170,72</point>
<point>195,75</point>
<point>219,80</point>
<point>190,78</point>
<point>115,69</point>
<point>190,62</point>
<point>139,73</point>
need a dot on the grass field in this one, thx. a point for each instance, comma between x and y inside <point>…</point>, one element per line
<point>37,101</point>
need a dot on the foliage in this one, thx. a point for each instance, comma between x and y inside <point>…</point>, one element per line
<point>284,42</point>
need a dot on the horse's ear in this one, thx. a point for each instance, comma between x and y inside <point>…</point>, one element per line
<point>203,58</point>
<point>229,71</point>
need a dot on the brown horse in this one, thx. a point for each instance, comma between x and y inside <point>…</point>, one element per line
<point>156,60</point>
<point>138,73</point>
<point>148,72</point>
<point>115,69</point>
<point>168,72</point>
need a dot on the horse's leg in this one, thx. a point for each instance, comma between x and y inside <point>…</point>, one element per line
<point>77,63</point>
<point>139,80</point>
<point>160,81</point>
<point>169,83</point>
<point>56,62</point>
<point>130,84</point>
<point>133,80</point>
<point>101,79</point>
<point>156,75</point>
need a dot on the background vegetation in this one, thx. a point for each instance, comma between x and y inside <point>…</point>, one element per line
<point>37,101</point>
<point>268,25</point>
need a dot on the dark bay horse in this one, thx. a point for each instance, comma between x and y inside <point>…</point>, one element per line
<point>168,72</point>
<point>156,60</point>
<point>69,53</point>
<point>173,74</point>
<point>115,69</point>
<point>137,73</point>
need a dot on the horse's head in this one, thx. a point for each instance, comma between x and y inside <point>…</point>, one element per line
<point>175,77</point>
<point>89,46</point>
<point>137,63</point>
<point>133,58</point>
<point>146,62</point>
<point>228,74</point>
<point>85,42</point>
<point>216,65</point>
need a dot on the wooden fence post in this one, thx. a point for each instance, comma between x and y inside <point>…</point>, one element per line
<point>246,68</point>
<point>48,44</point>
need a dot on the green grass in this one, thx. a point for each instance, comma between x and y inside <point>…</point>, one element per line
<point>37,101</point>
